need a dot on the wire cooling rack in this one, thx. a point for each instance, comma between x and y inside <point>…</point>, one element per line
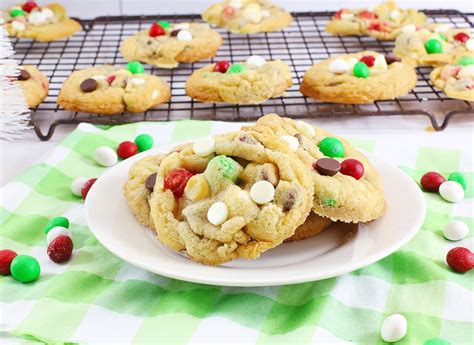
<point>300,45</point>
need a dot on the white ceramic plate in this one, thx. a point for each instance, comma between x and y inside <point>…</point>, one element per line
<point>339,249</point>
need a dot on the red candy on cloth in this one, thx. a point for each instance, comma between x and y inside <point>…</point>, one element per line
<point>87,186</point>
<point>368,60</point>
<point>6,258</point>
<point>156,30</point>
<point>222,66</point>
<point>352,167</point>
<point>29,6</point>
<point>176,180</point>
<point>127,149</point>
<point>461,37</point>
<point>431,181</point>
<point>367,15</point>
<point>60,249</point>
<point>460,259</point>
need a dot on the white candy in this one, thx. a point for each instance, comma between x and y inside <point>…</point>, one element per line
<point>205,146</point>
<point>347,16</point>
<point>235,4</point>
<point>442,28</point>
<point>217,213</point>
<point>394,328</point>
<point>451,191</point>
<point>351,62</point>
<point>409,29</point>
<point>184,35</point>
<point>470,44</point>
<point>252,12</point>
<point>305,128</point>
<point>262,192</point>
<point>105,156</point>
<point>99,77</point>
<point>78,184</point>
<point>18,26</point>
<point>155,94</point>
<point>182,26</point>
<point>56,232</point>
<point>256,60</point>
<point>137,81</point>
<point>455,230</point>
<point>36,17</point>
<point>338,66</point>
<point>47,13</point>
<point>292,141</point>
<point>394,14</point>
<point>380,62</point>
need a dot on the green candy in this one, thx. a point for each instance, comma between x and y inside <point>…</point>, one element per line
<point>54,222</point>
<point>361,70</point>
<point>25,268</point>
<point>17,12</point>
<point>433,46</point>
<point>459,178</point>
<point>436,341</point>
<point>236,68</point>
<point>466,60</point>
<point>164,24</point>
<point>331,147</point>
<point>135,67</point>
<point>329,202</point>
<point>144,142</point>
<point>222,167</point>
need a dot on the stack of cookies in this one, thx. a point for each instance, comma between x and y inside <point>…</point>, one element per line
<point>239,194</point>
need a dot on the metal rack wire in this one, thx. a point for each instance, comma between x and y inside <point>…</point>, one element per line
<point>300,45</point>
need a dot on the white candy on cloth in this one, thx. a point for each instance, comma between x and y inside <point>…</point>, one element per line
<point>394,328</point>
<point>451,191</point>
<point>217,213</point>
<point>338,66</point>
<point>455,230</point>
<point>292,141</point>
<point>204,147</point>
<point>256,60</point>
<point>262,192</point>
<point>78,184</point>
<point>105,156</point>
<point>56,232</point>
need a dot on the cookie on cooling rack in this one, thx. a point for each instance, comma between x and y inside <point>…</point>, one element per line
<point>247,16</point>
<point>107,90</point>
<point>457,81</point>
<point>251,82</point>
<point>42,23</point>
<point>382,22</point>
<point>165,45</point>
<point>34,84</point>
<point>358,78</point>
<point>346,186</point>
<point>433,44</point>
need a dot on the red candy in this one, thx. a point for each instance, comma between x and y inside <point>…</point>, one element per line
<point>222,66</point>
<point>156,30</point>
<point>6,258</point>
<point>367,15</point>
<point>87,186</point>
<point>368,60</point>
<point>110,79</point>
<point>337,15</point>
<point>352,167</point>
<point>29,6</point>
<point>228,11</point>
<point>176,180</point>
<point>460,259</point>
<point>461,37</point>
<point>431,181</point>
<point>127,149</point>
<point>60,249</point>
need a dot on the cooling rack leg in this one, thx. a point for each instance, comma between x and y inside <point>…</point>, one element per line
<point>40,135</point>
<point>449,115</point>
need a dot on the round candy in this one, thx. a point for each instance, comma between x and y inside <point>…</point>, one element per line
<point>78,184</point>
<point>394,328</point>
<point>156,30</point>
<point>144,142</point>
<point>17,12</point>
<point>127,149</point>
<point>352,167</point>
<point>150,182</point>
<point>256,60</point>
<point>164,24</point>
<point>466,60</point>
<point>451,191</point>
<point>433,46</point>
<point>461,37</point>
<point>29,6</point>
<point>47,13</point>
<point>184,35</point>
<point>176,180</point>
<point>24,75</point>
<point>470,44</point>
<point>6,258</point>
<point>368,60</point>
<point>135,67</point>
<point>87,186</point>
<point>327,166</point>
<point>56,232</point>
<point>36,17</point>
<point>459,178</point>
<point>105,156</point>
<point>25,268</point>
<point>60,249</point>
<point>88,85</point>
<point>338,66</point>
<point>54,222</point>
<point>291,141</point>
<point>431,181</point>
<point>222,167</point>
<point>361,70</point>
<point>217,213</point>
<point>204,147</point>
<point>262,192</point>
<point>455,230</point>
<point>305,128</point>
<point>460,259</point>
<point>236,68</point>
<point>222,66</point>
<point>331,147</point>
<point>436,341</point>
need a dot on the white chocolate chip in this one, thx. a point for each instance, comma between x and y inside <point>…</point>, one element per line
<point>351,62</point>
<point>265,13</point>
<point>252,12</point>
<point>217,213</point>
<point>305,128</point>
<point>56,232</point>
<point>455,230</point>
<point>123,72</point>
<point>466,72</point>
<point>36,17</point>
<point>451,191</point>
<point>380,62</point>
<point>182,26</point>
<point>235,4</point>
<point>394,328</point>
<point>19,26</point>
<point>155,94</point>
<point>77,185</point>
<point>262,192</point>
<point>47,13</point>
<point>105,156</point>
<point>394,14</point>
<point>256,60</point>
<point>338,66</point>
<point>347,16</point>
<point>409,29</point>
<point>184,35</point>
<point>137,81</point>
<point>470,44</point>
<point>443,28</point>
<point>99,77</point>
<point>292,141</point>
<point>204,147</point>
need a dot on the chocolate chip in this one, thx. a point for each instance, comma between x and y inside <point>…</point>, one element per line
<point>148,42</point>
<point>290,201</point>
<point>327,166</point>
<point>391,59</point>
<point>247,140</point>
<point>150,182</point>
<point>24,75</point>
<point>299,137</point>
<point>174,33</point>
<point>89,85</point>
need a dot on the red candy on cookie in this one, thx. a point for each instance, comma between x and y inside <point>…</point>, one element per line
<point>367,15</point>
<point>338,13</point>
<point>460,259</point>
<point>110,79</point>
<point>228,11</point>
<point>60,249</point>
<point>6,258</point>
<point>222,66</point>
<point>176,180</point>
<point>461,37</point>
<point>368,60</point>
<point>29,6</point>
<point>127,149</point>
<point>352,167</point>
<point>431,181</point>
<point>87,186</point>
<point>156,30</point>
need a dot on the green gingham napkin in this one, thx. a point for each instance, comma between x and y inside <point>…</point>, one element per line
<point>97,297</point>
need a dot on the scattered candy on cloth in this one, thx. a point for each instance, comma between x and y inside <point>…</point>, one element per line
<point>96,297</point>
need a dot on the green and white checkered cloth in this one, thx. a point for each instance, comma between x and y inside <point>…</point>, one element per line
<point>97,297</point>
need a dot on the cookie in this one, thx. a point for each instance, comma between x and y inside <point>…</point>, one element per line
<point>231,196</point>
<point>358,78</point>
<point>107,90</point>
<point>250,82</point>
<point>165,45</point>
<point>347,187</point>
<point>42,23</point>
<point>456,81</point>
<point>382,22</point>
<point>34,84</point>
<point>247,16</point>
<point>433,44</point>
